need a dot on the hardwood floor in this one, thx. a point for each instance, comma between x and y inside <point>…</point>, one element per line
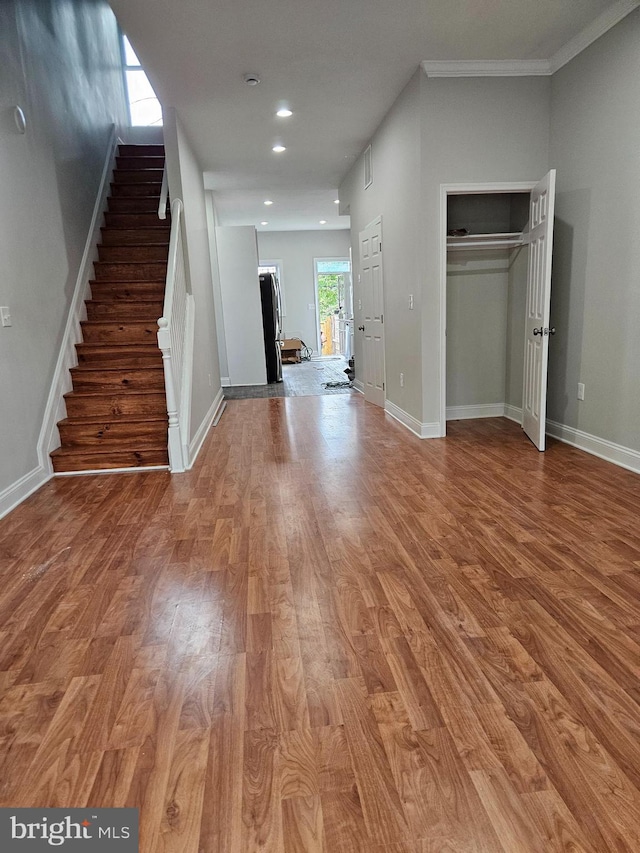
<point>331,636</point>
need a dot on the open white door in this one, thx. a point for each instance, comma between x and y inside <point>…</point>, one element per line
<point>536,345</point>
<point>372,327</point>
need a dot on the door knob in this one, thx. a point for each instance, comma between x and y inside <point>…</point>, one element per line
<point>361,328</point>
<point>539,331</point>
<point>552,330</point>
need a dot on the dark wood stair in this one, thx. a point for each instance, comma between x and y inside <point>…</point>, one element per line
<point>117,411</point>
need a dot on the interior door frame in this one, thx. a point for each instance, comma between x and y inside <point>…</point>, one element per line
<point>445,191</point>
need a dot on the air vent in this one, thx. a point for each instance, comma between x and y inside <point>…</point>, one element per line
<point>368,168</point>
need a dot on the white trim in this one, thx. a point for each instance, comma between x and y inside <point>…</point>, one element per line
<point>604,22</point>
<point>55,410</point>
<point>210,419</point>
<point>513,413</point>
<point>187,376</point>
<point>225,382</point>
<point>22,488</point>
<point>481,410</point>
<point>533,67</point>
<point>412,424</point>
<point>487,67</point>
<point>625,457</point>
<point>139,469</point>
<point>317,350</point>
<point>358,385</point>
<point>445,191</point>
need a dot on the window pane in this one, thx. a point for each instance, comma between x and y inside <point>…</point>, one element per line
<point>145,107</point>
<point>333,266</point>
<point>130,57</point>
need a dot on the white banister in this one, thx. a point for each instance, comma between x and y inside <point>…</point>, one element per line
<point>164,192</point>
<point>174,342</point>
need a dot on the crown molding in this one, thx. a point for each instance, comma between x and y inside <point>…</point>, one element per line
<point>487,67</point>
<point>604,22</point>
<point>532,67</point>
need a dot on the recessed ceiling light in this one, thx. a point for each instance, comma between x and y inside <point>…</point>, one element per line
<point>264,223</point>
<point>323,222</point>
<point>284,113</point>
<point>268,202</point>
<point>251,79</point>
<point>278,149</point>
<point>336,201</point>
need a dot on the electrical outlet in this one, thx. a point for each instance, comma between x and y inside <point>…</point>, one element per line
<point>580,390</point>
<point>359,304</point>
<point>5,315</point>
<point>411,302</point>
<point>402,380</point>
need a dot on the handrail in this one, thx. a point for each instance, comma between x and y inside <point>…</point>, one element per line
<point>164,192</point>
<point>172,339</point>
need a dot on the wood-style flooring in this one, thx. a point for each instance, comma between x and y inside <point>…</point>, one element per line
<point>332,636</point>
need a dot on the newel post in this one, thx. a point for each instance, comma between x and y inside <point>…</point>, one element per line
<point>176,462</point>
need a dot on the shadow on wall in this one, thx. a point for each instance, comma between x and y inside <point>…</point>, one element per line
<point>570,245</point>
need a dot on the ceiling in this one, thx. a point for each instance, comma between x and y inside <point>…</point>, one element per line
<point>338,64</point>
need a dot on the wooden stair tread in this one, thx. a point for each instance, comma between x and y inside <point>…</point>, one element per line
<point>100,419</point>
<point>132,245</point>
<point>132,282</point>
<point>143,297</point>
<point>114,323</point>
<point>110,393</point>
<point>66,459</point>
<point>85,368</point>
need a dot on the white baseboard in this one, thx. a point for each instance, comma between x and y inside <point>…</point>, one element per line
<point>55,411</point>
<point>358,385</point>
<point>513,413</point>
<point>225,382</point>
<point>625,457</point>
<point>483,410</point>
<point>21,489</point>
<point>426,430</point>
<point>210,419</point>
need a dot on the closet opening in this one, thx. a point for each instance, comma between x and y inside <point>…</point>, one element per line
<point>484,278</point>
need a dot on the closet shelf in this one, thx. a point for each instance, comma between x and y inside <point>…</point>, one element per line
<point>487,241</point>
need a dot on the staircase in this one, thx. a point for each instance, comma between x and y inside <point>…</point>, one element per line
<point>117,411</point>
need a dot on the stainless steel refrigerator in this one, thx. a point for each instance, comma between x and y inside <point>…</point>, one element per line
<point>272,325</point>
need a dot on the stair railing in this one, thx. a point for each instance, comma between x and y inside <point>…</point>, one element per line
<point>174,341</point>
<point>164,193</point>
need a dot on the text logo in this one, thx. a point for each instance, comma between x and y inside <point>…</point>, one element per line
<point>73,830</point>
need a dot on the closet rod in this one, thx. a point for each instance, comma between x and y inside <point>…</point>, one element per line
<point>486,241</point>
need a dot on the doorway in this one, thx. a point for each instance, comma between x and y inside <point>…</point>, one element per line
<point>332,279</point>
<point>496,244</point>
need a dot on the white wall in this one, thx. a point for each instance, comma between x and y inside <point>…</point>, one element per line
<point>477,299</point>
<point>297,250</point>
<point>395,195</point>
<point>595,146</point>
<point>438,131</point>
<point>241,304</point>
<point>61,63</point>
<point>474,130</point>
<point>185,182</point>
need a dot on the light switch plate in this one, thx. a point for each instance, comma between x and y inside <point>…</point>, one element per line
<point>5,315</point>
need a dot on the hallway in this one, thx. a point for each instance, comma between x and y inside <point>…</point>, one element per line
<point>332,636</point>
<point>304,379</point>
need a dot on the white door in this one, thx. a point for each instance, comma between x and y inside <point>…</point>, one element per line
<point>372,312</point>
<point>536,344</point>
